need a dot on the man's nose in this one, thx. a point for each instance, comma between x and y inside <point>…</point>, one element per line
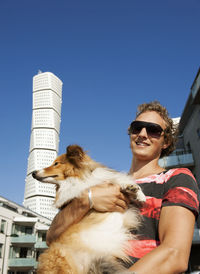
<point>143,132</point>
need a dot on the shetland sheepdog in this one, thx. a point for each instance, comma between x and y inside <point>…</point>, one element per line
<point>99,242</point>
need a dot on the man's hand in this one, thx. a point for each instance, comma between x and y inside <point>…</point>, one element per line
<point>107,197</point>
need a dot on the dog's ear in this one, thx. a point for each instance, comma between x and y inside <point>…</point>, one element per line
<point>74,154</point>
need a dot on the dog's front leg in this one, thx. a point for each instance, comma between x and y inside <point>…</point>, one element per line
<point>134,193</point>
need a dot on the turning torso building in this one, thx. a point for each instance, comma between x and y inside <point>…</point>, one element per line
<point>44,141</point>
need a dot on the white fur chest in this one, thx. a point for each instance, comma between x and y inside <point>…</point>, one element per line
<point>107,237</point>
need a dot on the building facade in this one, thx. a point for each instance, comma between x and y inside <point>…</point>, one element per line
<point>187,154</point>
<point>44,141</point>
<point>190,125</point>
<point>22,238</point>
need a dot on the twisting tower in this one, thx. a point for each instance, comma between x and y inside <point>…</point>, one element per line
<point>44,141</point>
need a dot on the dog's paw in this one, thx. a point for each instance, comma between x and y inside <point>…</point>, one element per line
<point>140,196</point>
<point>135,193</point>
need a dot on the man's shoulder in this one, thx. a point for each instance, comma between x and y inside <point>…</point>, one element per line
<point>178,171</point>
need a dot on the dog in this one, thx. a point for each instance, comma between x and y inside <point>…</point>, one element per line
<point>98,243</point>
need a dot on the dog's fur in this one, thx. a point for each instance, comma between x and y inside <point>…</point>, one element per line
<point>98,243</point>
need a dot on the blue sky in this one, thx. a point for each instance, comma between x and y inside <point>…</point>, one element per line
<point>111,56</point>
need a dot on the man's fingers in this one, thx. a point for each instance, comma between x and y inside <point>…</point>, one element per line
<point>124,198</point>
<point>122,204</point>
<point>119,209</point>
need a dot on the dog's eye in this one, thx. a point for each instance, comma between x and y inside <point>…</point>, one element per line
<point>56,163</point>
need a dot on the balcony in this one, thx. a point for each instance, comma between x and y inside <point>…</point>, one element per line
<point>22,262</point>
<point>23,220</point>
<point>41,245</point>
<point>179,158</point>
<point>23,239</point>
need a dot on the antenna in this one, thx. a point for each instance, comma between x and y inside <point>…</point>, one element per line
<point>39,71</point>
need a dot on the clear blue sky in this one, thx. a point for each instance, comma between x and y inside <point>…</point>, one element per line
<point>111,56</point>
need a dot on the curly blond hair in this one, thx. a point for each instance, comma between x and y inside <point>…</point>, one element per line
<point>170,133</point>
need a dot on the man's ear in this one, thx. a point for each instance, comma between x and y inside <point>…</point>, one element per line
<point>75,154</point>
<point>165,145</point>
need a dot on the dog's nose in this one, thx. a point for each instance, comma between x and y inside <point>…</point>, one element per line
<point>34,173</point>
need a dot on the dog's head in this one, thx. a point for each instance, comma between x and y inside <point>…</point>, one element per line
<point>74,163</point>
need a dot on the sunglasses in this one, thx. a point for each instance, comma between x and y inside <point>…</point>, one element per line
<point>153,130</point>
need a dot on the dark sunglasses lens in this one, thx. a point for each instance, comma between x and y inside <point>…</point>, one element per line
<point>135,128</point>
<point>154,131</point>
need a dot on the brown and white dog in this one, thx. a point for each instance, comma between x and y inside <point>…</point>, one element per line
<point>98,243</point>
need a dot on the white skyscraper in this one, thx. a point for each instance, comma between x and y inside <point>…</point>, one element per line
<point>44,141</point>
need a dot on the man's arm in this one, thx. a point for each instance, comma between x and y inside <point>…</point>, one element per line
<point>176,228</point>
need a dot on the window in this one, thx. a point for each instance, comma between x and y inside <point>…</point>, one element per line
<point>38,253</point>
<point>1,248</point>
<point>23,252</point>
<point>188,146</point>
<point>20,252</point>
<point>41,236</point>
<point>198,132</point>
<point>3,226</point>
<point>28,230</point>
<point>18,230</point>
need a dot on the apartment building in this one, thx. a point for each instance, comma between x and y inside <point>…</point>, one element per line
<point>22,238</point>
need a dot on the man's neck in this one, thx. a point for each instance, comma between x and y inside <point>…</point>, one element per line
<point>142,169</point>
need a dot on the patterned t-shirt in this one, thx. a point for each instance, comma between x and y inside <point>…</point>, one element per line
<point>175,187</point>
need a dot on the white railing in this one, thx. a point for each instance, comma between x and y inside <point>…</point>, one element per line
<point>179,158</point>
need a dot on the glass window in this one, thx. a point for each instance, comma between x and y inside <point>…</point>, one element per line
<point>41,236</point>
<point>18,230</point>
<point>20,252</point>
<point>23,252</point>
<point>1,248</point>
<point>38,253</point>
<point>3,226</point>
<point>198,132</point>
<point>28,230</point>
<point>15,252</point>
